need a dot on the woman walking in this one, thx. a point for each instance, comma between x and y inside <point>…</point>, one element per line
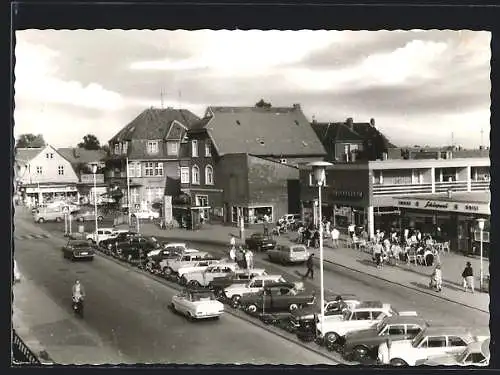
<point>468,277</point>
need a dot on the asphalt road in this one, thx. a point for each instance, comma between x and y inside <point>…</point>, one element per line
<point>127,313</point>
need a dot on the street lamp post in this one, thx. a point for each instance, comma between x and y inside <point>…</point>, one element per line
<point>480,224</point>
<point>320,177</point>
<point>94,171</point>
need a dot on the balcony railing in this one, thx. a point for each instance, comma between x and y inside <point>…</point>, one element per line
<point>393,189</point>
<point>480,185</point>
<point>21,353</point>
<point>443,187</point>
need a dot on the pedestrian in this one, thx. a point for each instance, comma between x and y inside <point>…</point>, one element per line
<point>309,265</point>
<point>377,252</point>
<point>335,237</point>
<point>232,242</point>
<point>308,237</point>
<point>232,254</point>
<point>351,230</point>
<point>249,259</point>
<point>468,277</point>
<point>327,226</point>
<point>438,277</point>
<point>316,238</point>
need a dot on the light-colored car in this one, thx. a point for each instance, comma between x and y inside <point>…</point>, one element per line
<point>46,214</point>
<point>17,274</point>
<point>235,291</point>
<point>198,266</point>
<point>288,254</point>
<point>179,247</point>
<point>434,341</point>
<point>204,278</point>
<point>364,316</point>
<point>171,266</point>
<point>102,234</point>
<point>197,304</point>
<point>87,215</point>
<point>476,354</point>
<point>146,214</point>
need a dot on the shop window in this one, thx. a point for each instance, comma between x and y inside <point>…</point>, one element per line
<point>258,215</point>
<point>195,175</point>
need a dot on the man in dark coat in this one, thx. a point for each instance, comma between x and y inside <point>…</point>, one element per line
<point>310,269</point>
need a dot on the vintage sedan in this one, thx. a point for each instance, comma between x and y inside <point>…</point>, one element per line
<point>334,305</point>
<point>205,277</point>
<point>78,249</point>
<point>362,345</point>
<point>476,354</point>
<point>260,242</point>
<point>146,214</point>
<point>197,304</point>
<point>199,266</point>
<point>239,276</point>
<point>236,291</point>
<point>278,297</point>
<point>288,254</point>
<point>87,214</point>
<point>110,243</point>
<point>434,341</point>
<point>168,250</point>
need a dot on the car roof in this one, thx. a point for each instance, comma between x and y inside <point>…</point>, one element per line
<point>179,244</point>
<point>268,277</point>
<point>370,305</point>
<point>280,285</point>
<point>253,271</point>
<point>330,297</point>
<point>397,319</point>
<point>110,229</point>
<point>453,331</point>
<point>195,290</point>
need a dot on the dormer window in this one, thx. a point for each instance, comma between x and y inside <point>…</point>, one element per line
<point>194,148</point>
<point>117,149</point>
<point>152,147</point>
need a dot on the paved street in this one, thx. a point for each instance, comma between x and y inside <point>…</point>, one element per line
<point>126,318</point>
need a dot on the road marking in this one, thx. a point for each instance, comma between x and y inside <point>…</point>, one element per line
<point>33,236</point>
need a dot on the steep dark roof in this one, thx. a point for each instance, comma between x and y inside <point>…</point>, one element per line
<point>155,123</point>
<point>81,155</point>
<point>365,130</point>
<point>334,131</point>
<point>263,131</point>
<point>26,154</point>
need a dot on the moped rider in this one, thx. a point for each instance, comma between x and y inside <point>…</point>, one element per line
<point>78,291</point>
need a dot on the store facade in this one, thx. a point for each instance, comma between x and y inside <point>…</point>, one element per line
<point>451,216</point>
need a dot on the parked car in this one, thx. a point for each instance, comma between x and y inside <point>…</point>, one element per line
<point>78,249</point>
<point>196,267</point>
<point>289,218</point>
<point>87,215</point>
<point>434,341</point>
<point>364,344</point>
<point>476,354</point>
<point>102,234</point>
<point>239,276</point>
<point>260,242</point>
<point>170,267</point>
<point>46,214</point>
<point>146,214</point>
<point>333,329</point>
<point>236,291</point>
<point>197,304</point>
<point>204,278</point>
<point>136,248</point>
<point>111,242</point>
<point>16,273</point>
<point>334,305</point>
<point>168,249</point>
<point>278,297</point>
<point>288,254</point>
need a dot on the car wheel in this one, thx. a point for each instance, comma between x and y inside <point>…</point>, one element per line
<point>293,307</point>
<point>168,271</point>
<point>331,340</point>
<point>360,352</point>
<point>41,220</point>
<point>252,309</point>
<point>58,219</point>
<point>172,306</point>
<point>190,317</point>
<point>398,362</point>
<point>235,301</point>
<point>192,283</point>
<point>109,246</point>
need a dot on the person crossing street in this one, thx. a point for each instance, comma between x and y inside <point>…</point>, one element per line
<point>310,269</point>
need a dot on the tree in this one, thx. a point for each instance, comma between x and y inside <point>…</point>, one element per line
<point>30,141</point>
<point>262,104</point>
<point>90,142</point>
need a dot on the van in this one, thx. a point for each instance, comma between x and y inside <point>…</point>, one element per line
<point>46,214</point>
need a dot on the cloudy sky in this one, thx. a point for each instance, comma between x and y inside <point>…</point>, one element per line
<point>420,86</point>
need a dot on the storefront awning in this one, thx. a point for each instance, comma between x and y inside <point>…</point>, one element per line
<point>443,204</point>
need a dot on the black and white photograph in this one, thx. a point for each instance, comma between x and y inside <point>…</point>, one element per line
<point>251,197</point>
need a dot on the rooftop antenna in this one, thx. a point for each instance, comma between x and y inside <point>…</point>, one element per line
<point>161,97</point>
<point>452,140</point>
<point>482,132</point>
<point>180,98</point>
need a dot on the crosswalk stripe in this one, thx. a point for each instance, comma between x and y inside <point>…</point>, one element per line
<point>33,236</point>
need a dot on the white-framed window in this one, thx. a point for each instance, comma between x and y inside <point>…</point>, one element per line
<point>134,195</point>
<point>194,148</point>
<point>149,169</point>
<point>195,175</point>
<point>184,175</point>
<point>152,147</point>
<point>172,148</point>
<point>39,170</point>
<point>124,147</point>
<point>209,175</point>
<point>60,170</point>
<point>159,192</point>
<point>208,148</point>
<point>131,170</point>
<point>117,148</point>
<point>202,200</point>
<point>158,169</point>
<point>311,179</point>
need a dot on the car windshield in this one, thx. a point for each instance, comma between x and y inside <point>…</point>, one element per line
<point>203,296</point>
<point>462,356</point>
<point>298,249</point>
<point>79,244</point>
<point>380,327</point>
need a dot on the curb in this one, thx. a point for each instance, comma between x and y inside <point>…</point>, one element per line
<point>220,243</point>
<point>235,313</point>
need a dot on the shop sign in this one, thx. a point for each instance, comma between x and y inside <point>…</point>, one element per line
<point>436,205</point>
<point>471,207</point>
<point>346,195</point>
<point>404,203</point>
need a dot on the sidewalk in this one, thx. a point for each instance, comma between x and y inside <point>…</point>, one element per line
<point>414,277</point>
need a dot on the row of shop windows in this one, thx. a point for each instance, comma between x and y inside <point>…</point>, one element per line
<point>252,215</point>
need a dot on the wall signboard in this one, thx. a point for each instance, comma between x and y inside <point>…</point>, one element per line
<point>444,206</point>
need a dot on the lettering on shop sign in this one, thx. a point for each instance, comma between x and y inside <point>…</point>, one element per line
<point>404,203</point>
<point>347,195</point>
<point>432,204</point>
<point>471,207</point>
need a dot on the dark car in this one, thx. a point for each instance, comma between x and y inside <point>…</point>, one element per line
<point>241,276</point>
<point>110,243</point>
<point>78,249</point>
<point>363,345</point>
<point>136,248</point>
<point>260,242</point>
<point>334,305</point>
<point>277,297</point>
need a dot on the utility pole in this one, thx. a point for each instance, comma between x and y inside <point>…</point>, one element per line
<point>161,97</point>
<point>452,139</point>
<point>482,132</point>
<point>180,99</point>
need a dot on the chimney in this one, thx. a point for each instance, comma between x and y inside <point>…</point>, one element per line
<point>296,106</point>
<point>350,123</point>
<point>372,122</point>
<point>76,153</point>
<point>314,119</point>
